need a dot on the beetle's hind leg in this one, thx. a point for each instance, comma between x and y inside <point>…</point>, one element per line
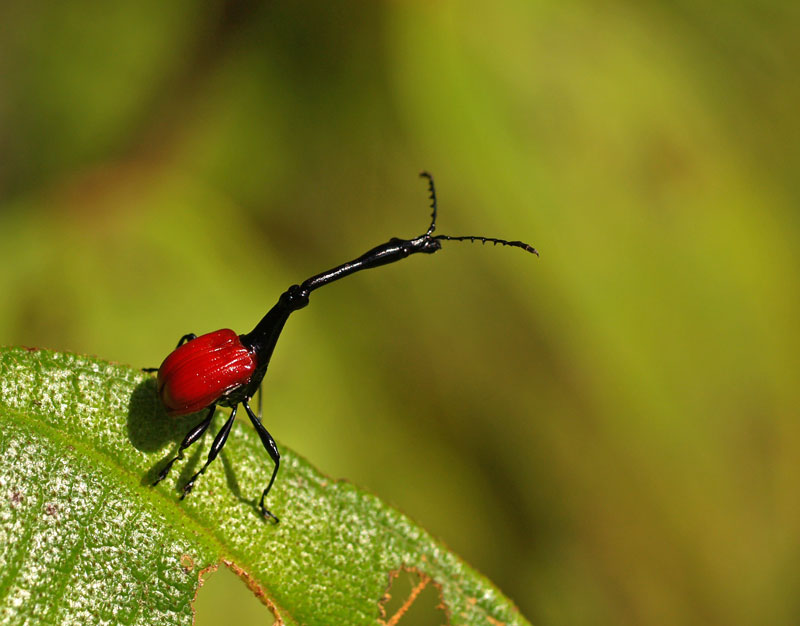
<point>181,341</point>
<point>269,444</point>
<point>185,338</point>
<point>192,436</point>
<point>219,442</point>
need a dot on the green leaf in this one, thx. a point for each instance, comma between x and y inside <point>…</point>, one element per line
<point>84,539</point>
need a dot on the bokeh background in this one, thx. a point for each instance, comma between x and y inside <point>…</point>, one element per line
<point>610,432</point>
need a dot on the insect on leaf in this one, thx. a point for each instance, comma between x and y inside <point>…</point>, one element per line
<point>85,540</point>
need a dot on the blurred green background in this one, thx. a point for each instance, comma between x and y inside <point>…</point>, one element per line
<point>610,433</point>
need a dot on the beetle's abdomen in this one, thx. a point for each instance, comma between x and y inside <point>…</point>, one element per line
<point>198,373</point>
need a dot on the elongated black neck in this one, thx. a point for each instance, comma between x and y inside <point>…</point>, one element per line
<point>264,336</point>
<point>262,339</point>
<point>389,252</point>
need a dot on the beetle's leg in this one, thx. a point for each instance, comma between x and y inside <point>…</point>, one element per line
<point>219,442</point>
<point>192,436</point>
<point>181,341</point>
<point>185,338</point>
<point>269,444</point>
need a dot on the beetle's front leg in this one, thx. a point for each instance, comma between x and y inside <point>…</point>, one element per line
<point>269,444</point>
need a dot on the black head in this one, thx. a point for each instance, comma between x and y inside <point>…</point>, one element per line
<point>424,243</point>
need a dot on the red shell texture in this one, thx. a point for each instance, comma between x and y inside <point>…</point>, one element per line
<point>196,374</point>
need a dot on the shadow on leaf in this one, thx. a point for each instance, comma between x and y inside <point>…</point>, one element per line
<point>149,428</point>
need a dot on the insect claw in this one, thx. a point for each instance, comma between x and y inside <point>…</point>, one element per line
<point>269,516</point>
<point>187,489</point>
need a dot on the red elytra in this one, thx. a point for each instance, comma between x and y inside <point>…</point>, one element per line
<point>200,372</point>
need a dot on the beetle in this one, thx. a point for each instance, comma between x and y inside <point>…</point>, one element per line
<point>224,369</point>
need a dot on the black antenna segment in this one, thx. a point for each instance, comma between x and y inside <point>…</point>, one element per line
<point>432,190</point>
<point>470,238</point>
<point>502,242</point>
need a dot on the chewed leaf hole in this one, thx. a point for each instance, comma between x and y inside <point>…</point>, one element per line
<point>225,598</point>
<point>412,599</point>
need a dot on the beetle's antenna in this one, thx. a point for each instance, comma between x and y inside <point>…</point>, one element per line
<point>432,190</point>
<point>502,242</point>
<point>472,238</point>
